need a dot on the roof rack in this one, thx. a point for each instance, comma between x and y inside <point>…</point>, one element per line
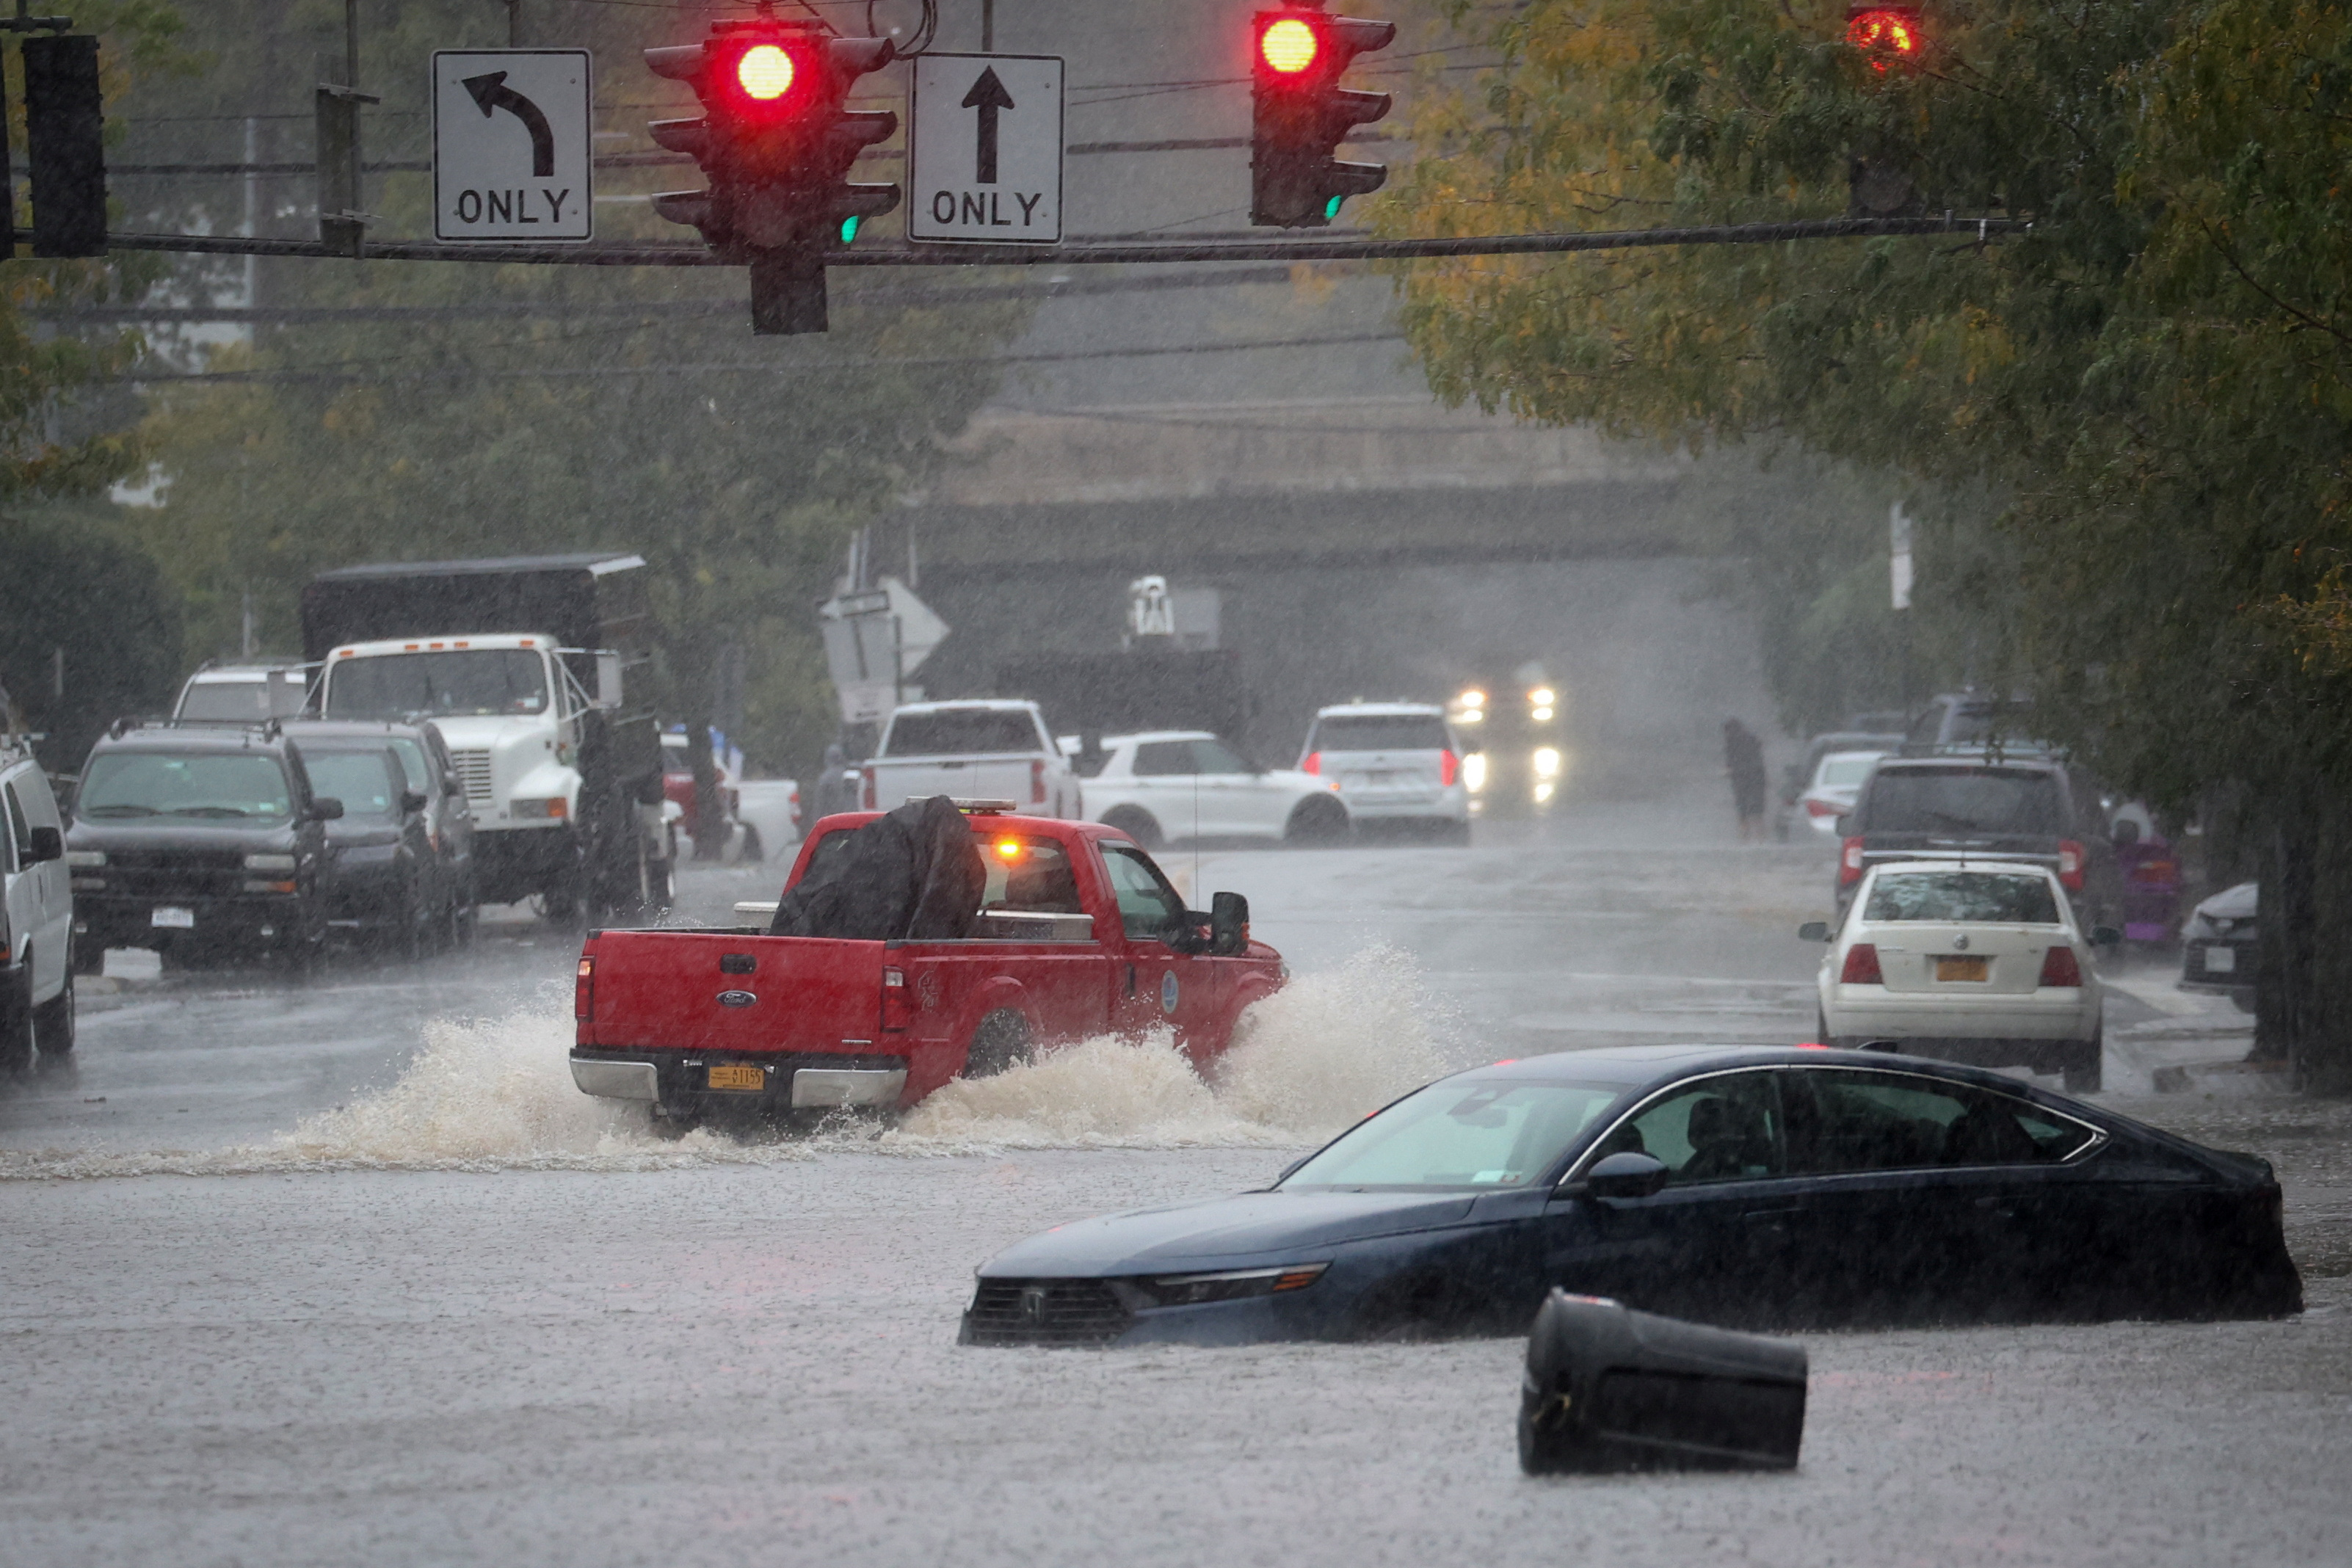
<point>270,729</point>
<point>984,807</point>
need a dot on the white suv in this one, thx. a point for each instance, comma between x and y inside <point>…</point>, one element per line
<point>36,1000</point>
<point>1393,762</point>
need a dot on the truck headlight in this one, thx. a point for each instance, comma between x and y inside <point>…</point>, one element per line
<point>1232,1284</point>
<point>269,862</point>
<point>85,857</point>
<point>1546,760</point>
<point>555,806</point>
<point>1474,771</point>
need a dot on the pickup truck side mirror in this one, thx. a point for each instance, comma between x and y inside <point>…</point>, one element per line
<point>1625,1174</point>
<point>1228,925</point>
<point>413,801</point>
<point>325,808</point>
<point>48,844</point>
<point>1813,931</point>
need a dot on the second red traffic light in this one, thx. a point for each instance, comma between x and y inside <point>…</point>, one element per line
<point>1300,114</point>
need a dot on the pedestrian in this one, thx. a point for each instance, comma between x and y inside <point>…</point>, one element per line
<point>1743,758</point>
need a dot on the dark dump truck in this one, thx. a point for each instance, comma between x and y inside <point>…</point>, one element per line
<point>525,663</point>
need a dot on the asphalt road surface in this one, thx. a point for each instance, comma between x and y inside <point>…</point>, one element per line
<point>350,1274</point>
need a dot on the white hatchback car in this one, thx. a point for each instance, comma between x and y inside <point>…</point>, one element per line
<point>36,989</point>
<point>1395,761</point>
<point>1187,783</point>
<point>1981,964</point>
<point>1830,793</point>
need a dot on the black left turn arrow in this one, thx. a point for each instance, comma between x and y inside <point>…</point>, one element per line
<point>492,93</point>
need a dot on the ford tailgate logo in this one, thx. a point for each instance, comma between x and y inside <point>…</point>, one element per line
<point>736,998</point>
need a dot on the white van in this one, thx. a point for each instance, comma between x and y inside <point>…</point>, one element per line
<point>37,999</point>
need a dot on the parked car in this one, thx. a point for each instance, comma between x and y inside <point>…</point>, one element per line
<point>972,750</point>
<point>36,982</point>
<point>770,810</point>
<point>1799,774</point>
<point>1741,1185</point>
<point>1165,785</point>
<point>1981,963</point>
<point>1956,808</point>
<point>1399,763</point>
<point>1830,793</point>
<point>400,868</point>
<point>198,839</point>
<point>243,693</point>
<point>2219,944</point>
<point>680,813</point>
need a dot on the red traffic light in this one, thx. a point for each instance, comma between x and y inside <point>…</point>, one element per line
<point>767,77</point>
<point>1884,32</point>
<point>1288,44</point>
<point>765,72</point>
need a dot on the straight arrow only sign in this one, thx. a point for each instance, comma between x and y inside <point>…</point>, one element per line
<point>984,144</point>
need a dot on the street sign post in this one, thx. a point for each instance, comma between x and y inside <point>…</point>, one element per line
<point>984,150</point>
<point>510,146</point>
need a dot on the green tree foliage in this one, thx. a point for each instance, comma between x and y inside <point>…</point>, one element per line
<point>68,671</point>
<point>2146,394</point>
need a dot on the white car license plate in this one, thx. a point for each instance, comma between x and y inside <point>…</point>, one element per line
<point>2220,961</point>
<point>171,918</point>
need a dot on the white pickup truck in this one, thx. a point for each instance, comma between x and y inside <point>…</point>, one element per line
<point>980,749</point>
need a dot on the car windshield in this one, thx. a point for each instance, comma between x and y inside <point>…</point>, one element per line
<point>363,781</point>
<point>481,681</point>
<point>1965,800</point>
<point>1841,771</point>
<point>2004,898</point>
<point>969,732</point>
<point>230,785</point>
<point>1379,732</point>
<point>1477,1135</point>
<point>243,699</point>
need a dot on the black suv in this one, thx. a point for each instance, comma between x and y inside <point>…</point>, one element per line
<point>1969,808</point>
<point>197,838</point>
<point>400,862</point>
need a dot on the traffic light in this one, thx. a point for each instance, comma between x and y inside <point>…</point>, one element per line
<point>776,141</point>
<point>1300,114</point>
<point>1889,35</point>
<point>64,121</point>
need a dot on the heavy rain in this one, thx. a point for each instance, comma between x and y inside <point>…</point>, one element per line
<point>1006,782</point>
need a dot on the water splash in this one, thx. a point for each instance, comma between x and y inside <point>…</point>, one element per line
<point>497,1095</point>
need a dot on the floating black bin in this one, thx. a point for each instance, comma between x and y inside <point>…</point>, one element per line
<point>1608,1388</point>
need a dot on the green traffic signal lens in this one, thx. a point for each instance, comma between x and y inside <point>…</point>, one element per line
<point>848,230</point>
<point>1331,207</point>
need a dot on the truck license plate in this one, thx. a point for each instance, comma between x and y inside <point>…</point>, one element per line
<point>1959,968</point>
<point>736,1075</point>
<point>171,919</point>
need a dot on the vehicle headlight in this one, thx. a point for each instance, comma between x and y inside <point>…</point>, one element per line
<point>1232,1285</point>
<point>85,857</point>
<point>1546,760</point>
<point>1474,771</point>
<point>553,807</point>
<point>1542,697</point>
<point>269,862</point>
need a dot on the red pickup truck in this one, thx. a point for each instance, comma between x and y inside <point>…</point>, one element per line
<point>1078,933</point>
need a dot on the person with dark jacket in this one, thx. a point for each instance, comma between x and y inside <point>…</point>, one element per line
<point>1743,758</point>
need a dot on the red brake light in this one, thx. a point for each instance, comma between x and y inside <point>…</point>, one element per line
<point>1862,967</point>
<point>583,989</point>
<point>871,796</point>
<point>1849,863</point>
<point>1036,781</point>
<point>1448,764</point>
<point>1313,764</point>
<point>2070,865</point>
<point>1816,807</point>
<point>2059,967</point>
<point>2155,871</point>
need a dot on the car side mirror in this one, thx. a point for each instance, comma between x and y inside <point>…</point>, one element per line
<point>1625,1174</point>
<point>48,844</point>
<point>1813,931</point>
<point>413,801</point>
<point>1229,925</point>
<point>325,808</point>
<point>451,784</point>
<point>2106,936</point>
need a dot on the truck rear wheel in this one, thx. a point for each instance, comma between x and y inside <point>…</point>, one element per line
<point>1000,1041</point>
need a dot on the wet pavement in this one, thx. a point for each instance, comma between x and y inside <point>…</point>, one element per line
<point>472,1317</point>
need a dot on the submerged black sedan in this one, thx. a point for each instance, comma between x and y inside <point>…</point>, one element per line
<point>1740,1185</point>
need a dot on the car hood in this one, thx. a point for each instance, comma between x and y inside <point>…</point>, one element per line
<point>1215,1231</point>
<point>2238,903</point>
<point>149,833</point>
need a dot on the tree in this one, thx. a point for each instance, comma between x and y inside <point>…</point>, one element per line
<point>2139,408</point>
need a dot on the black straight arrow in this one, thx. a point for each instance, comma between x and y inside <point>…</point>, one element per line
<point>988,96</point>
<point>492,93</point>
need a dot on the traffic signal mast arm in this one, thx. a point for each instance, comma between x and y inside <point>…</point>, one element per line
<point>1300,114</point>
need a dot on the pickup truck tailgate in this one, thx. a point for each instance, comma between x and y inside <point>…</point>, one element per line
<point>732,992</point>
<point>897,781</point>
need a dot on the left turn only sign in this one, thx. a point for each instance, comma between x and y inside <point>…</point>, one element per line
<point>511,146</point>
